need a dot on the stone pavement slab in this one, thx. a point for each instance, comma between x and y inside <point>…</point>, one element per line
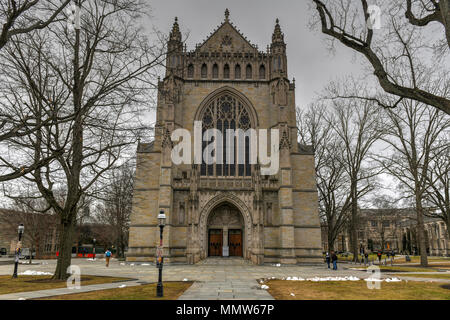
<point>243,290</point>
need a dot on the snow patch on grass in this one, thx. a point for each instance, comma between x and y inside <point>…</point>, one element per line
<point>35,273</point>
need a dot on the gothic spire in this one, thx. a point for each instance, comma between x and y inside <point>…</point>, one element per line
<point>175,35</point>
<point>227,15</point>
<point>278,36</point>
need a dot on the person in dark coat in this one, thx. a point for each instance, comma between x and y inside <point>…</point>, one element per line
<point>334,260</point>
<point>328,259</point>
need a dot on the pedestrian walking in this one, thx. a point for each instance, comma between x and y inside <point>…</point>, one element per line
<point>334,260</point>
<point>379,254</point>
<point>107,257</point>
<point>366,258</point>
<point>328,259</point>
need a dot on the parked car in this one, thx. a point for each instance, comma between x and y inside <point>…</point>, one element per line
<point>3,252</point>
<point>25,253</point>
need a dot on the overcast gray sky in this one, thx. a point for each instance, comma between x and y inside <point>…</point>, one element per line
<point>309,61</point>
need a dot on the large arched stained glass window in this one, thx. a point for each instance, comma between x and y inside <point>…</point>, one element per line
<point>223,113</point>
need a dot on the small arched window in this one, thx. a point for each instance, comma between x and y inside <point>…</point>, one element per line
<point>248,72</point>
<point>190,71</point>
<point>226,72</point>
<point>204,71</point>
<point>215,71</point>
<point>262,72</point>
<point>237,72</point>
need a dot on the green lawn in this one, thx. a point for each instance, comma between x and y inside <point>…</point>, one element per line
<point>34,283</point>
<point>172,290</point>
<point>356,290</point>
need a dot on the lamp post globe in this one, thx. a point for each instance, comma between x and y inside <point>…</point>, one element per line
<point>161,218</point>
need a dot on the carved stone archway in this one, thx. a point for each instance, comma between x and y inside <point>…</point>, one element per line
<point>226,198</point>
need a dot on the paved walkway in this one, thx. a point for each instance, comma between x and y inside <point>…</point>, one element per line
<point>214,278</point>
<point>61,291</point>
<point>226,290</point>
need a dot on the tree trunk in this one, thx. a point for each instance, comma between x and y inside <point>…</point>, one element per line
<point>353,224</point>
<point>31,254</point>
<point>65,249</point>
<point>330,242</point>
<point>421,233</point>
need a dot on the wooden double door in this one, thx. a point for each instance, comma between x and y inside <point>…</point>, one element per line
<point>235,243</point>
<point>216,243</point>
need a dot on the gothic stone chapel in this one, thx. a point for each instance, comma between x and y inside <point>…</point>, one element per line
<point>226,209</point>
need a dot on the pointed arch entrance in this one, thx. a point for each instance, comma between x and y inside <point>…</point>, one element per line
<point>225,231</point>
<point>227,220</point>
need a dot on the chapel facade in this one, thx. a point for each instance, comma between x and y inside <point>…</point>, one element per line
<point>226,209</point>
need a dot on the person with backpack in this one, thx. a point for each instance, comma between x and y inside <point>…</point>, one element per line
<point>366,256</point>
<point>107,257</point>
<point>334,260</point>
<point>379,257</point>
<point>328,260</point>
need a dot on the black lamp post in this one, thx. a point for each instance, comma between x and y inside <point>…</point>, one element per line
<point>160,258</point>
<point>18,249</point>
<point>93,250</point>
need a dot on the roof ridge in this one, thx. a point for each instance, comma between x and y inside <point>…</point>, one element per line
<point>238,31</point>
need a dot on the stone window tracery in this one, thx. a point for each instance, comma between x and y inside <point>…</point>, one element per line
<point>223,113</point>
<point>226,72</point>
<point>204,71</point>
<point>215,71</point>
<point>191,71</point>
<point>237,72</point>
<point>262,72</point>
<point>248,72</point>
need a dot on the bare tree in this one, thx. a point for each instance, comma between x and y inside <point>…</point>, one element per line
<point>17,117</point>
<point>413,134</point>
<point>23,16</point>
<point>397,51</point>
<point>316,129</point>
<point>422,13</point>
<point>115,209</point>
<point>101,74</point>
<point>358,126</point>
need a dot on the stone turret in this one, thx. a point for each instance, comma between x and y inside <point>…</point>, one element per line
<point>278,50</point>
<point>175,51</point>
